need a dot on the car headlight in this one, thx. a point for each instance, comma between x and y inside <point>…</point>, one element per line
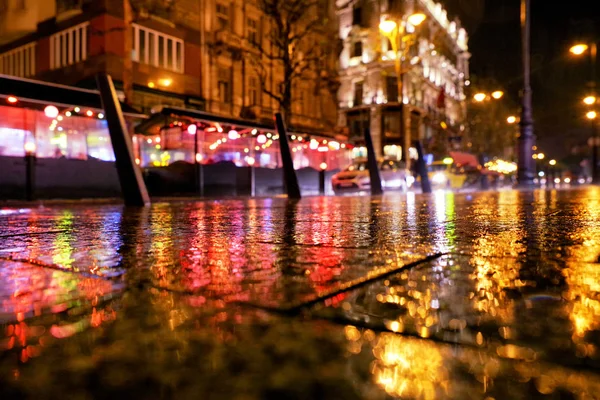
<point>410,180</point>
<point>438,177</point>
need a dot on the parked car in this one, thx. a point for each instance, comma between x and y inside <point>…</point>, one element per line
<point>355,177</point>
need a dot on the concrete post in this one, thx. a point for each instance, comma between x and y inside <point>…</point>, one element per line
<point>484,180</point>
<point>289,174</point>
<point>30,160</point>
<point>133,186</point>
<point>422,168</point>
<point>376,188</point>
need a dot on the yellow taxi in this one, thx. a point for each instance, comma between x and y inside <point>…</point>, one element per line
<point>446,174</point>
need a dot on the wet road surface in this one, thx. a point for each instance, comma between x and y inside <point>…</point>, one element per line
<point>487,295</point>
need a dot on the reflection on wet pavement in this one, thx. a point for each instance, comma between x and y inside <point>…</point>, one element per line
<point>489,295</point>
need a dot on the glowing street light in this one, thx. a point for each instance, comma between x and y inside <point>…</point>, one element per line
<point>578,49</point>
<point>497,94</point>
<point>552,162</point>
<point>541,156</point>
<point>589,100</point>
<point>479,97</point>
<point>591,115</point>
<point>511,119</point>
<point>387,27</point>
<point>416,19</point>
<point>395,31</point>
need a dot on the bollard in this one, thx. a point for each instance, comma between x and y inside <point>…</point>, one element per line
<point>421,168</point>
<point>252,181</point>
<point>374,177</point>
<point>322,182</point>
<point>133,186</point>
<point>289,174</point>
<point>483,179</point>
<point>198,171</point>
<point>30,161</point>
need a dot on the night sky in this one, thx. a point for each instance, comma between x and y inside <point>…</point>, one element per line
<point>559,80</point>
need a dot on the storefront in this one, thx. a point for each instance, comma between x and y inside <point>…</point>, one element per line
<point>174,134</point>
<point>64,128</point>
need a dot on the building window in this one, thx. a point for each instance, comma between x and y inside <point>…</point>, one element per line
<point>21,5</point>
<point>223,17</point>
<point>358,93</point>
<point>301,102</point>
<point>69,46</point>
<point>391,124</point>
<point>19,62</point>
<point>391,84</point>
<point>394,7</point>
<point>357,49</point>
<point>224,84</point>
<point>154,48</point>
<point>253,91</point>
<point>358,121</point>
<point>357,16</point>
<point>252,31</point>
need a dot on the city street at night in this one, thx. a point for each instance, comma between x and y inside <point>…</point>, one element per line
<point>487,295</point>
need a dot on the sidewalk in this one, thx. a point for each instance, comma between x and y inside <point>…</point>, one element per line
<point>474,295</point>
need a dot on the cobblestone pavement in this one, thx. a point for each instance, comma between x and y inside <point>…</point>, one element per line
<point>489,295</point>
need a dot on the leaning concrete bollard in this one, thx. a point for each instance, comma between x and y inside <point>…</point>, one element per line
<point>133,186</point>
<point>376,188</point>
<point>289,174</point>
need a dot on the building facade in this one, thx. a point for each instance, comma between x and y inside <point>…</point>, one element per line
<point>434,71</point>
<point>184,53</point>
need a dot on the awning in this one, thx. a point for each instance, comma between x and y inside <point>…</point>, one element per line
<point>169,114</point>
<point>463,159</point>
<point>34,92</point>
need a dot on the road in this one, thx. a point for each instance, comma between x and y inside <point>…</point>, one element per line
<point>483,295</point>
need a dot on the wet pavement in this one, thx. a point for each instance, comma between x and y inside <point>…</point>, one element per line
<point>486,295</point>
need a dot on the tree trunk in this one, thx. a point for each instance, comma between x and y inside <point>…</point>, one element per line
<point>127,60</point>
<point>286,96</point>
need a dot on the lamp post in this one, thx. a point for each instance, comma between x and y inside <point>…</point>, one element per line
<point>590,100</point>
<point>526,165</point>
<point>30,159</point>
<point>594,142</point>
<point>395,32</point>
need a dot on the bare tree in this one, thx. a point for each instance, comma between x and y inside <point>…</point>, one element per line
<point>297,39</point>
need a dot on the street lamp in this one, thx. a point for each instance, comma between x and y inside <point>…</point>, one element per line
<point>552,162</point>
<point>526,167</point>
<point>497,94</point>
<point>395,33</point>
<point>511,119</point>
<point>479,97</point>
<point>578,49</point>
<point>416,19</point>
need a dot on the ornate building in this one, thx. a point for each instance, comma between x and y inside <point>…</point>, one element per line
<point>184,53</point>
<point>434,69</point>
